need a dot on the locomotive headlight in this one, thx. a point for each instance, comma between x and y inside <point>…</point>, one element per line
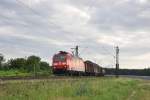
<point>54,67</point>
<point>65,66</point>
<point>55,64</point>
<point>63,63</point>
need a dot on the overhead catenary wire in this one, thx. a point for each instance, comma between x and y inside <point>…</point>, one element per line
<point>36,13</point>
<point>50,23</point>
<point>84,48</point>
<point>105,50</point>
<point>91,3</point>
<point>109,53</point>
<point>99,61</point>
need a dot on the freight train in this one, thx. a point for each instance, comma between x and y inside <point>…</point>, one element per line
<point>69,64</point>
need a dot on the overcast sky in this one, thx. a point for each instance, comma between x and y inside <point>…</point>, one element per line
<point>44,27</point>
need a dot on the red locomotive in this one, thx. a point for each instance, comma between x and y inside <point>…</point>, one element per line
<point>66,63</point>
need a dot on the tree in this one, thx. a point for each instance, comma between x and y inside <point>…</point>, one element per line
<point>33,63</point>
<point>18,63</point>
<point>1,60</point>
<point>44,66</point>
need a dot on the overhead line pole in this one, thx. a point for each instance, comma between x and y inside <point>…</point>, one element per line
<point>117,61</point>
<point>76,49</point>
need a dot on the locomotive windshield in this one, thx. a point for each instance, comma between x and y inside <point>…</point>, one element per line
<point>59,58</point>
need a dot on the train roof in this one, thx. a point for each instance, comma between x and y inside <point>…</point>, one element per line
<point>88,61</point>
<point>67,53</point>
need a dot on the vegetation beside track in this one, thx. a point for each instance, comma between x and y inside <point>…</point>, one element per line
<point>13,73</point>
<point>99,88</point>
<point>24,67</point>
<point>19,73</point>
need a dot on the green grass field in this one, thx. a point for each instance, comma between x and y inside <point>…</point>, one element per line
<point>18,73</point>
<point>76,89</point>
<point>12,73</point>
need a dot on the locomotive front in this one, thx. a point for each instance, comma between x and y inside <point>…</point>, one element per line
<point>59,63</point>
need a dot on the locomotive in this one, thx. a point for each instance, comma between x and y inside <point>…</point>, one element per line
<point>67,63</point>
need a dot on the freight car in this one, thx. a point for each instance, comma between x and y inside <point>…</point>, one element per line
<point>93,69</point>
<point>66,63</point>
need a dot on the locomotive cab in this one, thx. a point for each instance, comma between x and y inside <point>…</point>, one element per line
<point>59,63</point>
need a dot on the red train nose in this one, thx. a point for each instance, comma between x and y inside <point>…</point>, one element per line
<point>55,64</point>
<point>59,65</point>
<point>64,63</point>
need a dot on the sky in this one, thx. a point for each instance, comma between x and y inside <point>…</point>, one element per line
<point>44,27</point>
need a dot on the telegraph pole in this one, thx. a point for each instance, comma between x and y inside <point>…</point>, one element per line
<point>117,61</point>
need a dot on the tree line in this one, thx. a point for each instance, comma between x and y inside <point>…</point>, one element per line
<point>139,72</point>
<point>29,64</point>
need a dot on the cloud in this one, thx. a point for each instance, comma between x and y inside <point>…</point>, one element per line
<point>43,27</point>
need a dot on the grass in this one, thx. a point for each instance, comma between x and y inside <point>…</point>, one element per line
<point>19,73</point>
<point>76,89</point>
<point>13,73</point>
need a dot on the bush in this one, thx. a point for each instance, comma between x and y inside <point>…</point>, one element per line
<point>18,63</point>
<point>44,66</point>
<point>32,64</point>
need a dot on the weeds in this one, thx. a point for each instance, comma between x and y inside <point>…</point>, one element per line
<point>72,89</point>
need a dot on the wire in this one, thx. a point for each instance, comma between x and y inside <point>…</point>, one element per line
<point>38,14</point>
<point>91,3</point>
<point>35,12</point>
<point>106,50</point>
<point>83,50</point>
